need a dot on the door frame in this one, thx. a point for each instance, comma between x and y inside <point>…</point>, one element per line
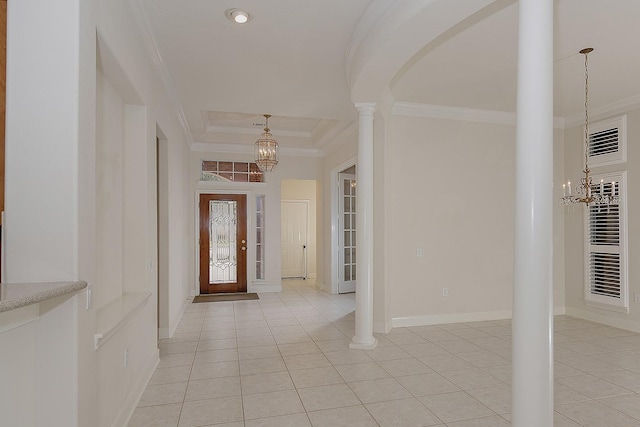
<point>335,207</point>
<point>250,234</point>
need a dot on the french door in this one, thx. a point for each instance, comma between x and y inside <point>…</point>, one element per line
<point>347,234</point>
<point>223,243</point>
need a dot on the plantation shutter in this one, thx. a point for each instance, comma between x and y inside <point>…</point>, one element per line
<point>607,142</point>
<point>606,278</point>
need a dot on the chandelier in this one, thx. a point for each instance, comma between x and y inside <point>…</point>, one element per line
<point>587,192</point>
<point>266,151</point>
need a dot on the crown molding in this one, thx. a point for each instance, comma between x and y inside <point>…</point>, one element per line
<point>157,60</point>
<point>605,111</point>
<point>431,111</point>
<point>214,147</point>
<point>257,131</point>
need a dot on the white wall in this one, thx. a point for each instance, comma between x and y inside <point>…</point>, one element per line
<point>574,223</point>
<point>305,190</point>
<point>451,194</point>
<point>81,204</point>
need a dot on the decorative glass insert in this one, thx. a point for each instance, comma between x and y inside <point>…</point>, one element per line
<point>225,171</point>
<point>260,228</point>
<point>222,245</point>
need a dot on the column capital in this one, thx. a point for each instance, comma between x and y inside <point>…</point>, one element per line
<point>365,108</point>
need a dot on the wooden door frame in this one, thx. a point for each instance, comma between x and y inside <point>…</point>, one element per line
<point>250,248</point>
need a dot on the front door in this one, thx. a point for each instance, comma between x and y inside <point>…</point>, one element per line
<point>223,243</point>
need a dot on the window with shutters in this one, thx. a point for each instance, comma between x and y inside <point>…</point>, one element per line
<point>608,142</point>
<point>606,249</point>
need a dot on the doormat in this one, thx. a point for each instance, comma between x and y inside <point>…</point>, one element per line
<point>224,297</point>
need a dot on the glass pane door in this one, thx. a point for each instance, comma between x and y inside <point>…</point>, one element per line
<point>223,246</point>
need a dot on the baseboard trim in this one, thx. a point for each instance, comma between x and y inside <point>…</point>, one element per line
<point>438,319</point>
<point>129,406</point>
<point>584,314</point>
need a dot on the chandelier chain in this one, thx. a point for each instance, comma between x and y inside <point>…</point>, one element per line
<point>586,111</point>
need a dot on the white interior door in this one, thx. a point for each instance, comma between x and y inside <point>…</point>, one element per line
<point>347,234</point>
<point>294,230</point>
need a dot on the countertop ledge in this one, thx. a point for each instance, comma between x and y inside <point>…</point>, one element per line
<point>16,295</point>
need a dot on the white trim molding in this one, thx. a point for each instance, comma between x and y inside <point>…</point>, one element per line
<point>431,111</point>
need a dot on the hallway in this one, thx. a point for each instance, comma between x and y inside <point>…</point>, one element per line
<point>284,361</point>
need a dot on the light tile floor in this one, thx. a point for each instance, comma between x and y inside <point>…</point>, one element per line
<point>284,361</point>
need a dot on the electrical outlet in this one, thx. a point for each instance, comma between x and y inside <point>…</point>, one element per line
<point>636,297</point>
<point>419,253</point>
<point>445,292</point>
<point>126,357</point>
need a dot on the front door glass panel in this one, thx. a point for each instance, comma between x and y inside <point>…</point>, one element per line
<point>223,263</point>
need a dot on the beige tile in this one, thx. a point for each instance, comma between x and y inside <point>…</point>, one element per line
<point>156,416</point>
<point>292,338</point>
<point>264,383</point>
<point>314,377</point>
<point>215,370</point>
<point>347,357</point>
<point>334,345</point>
<point>562,421</point>
<point>183,359</point>
<point>174,374</point>
<point>223,344</point>
<point>287,330</point>
<point>327,397</point>
<point>596,414</point>
<point>362,372</point>
<point>498,399</point>
<point>426,384</point>
<point>563,395</point>
<point>456,406</point>
<point>382,390</point>
<point>483,358</point>
<point>184,337</point>
<point>217,335</point>
<point>259,341</point>
<point>211,356</point>
<point>468,379</point>
<point>211,411</point>
<point>258,352</point>
<point>213,388</point>
<point>592,387</point>
<point>298,348</point>
<point>388,353</point>
<point>402,413</point>
<point>402,367</point>
<point>423,349</point>
<point>177,347</point>
<point>408,338</point>
<point>482,422</point>
<point>629,404</point>
<point>459,346</point>
<point>262,366</point>
<point>304,361</point>
<point>623,378</point>
<point>445,362</point>
<point>257,332</point>
<point>263,405</point>
<point>163,393</point>
<point>295,420</point>
<point>343,417</point>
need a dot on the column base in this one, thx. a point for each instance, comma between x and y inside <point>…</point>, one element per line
<point>360,344</point>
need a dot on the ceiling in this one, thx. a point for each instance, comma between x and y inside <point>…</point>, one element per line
<point>290,61</point>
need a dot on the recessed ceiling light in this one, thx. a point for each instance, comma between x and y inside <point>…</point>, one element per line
<point>238,16</point>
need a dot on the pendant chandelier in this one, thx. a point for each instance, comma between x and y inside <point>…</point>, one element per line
<point>587,192</point>
<point>266,151</point>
